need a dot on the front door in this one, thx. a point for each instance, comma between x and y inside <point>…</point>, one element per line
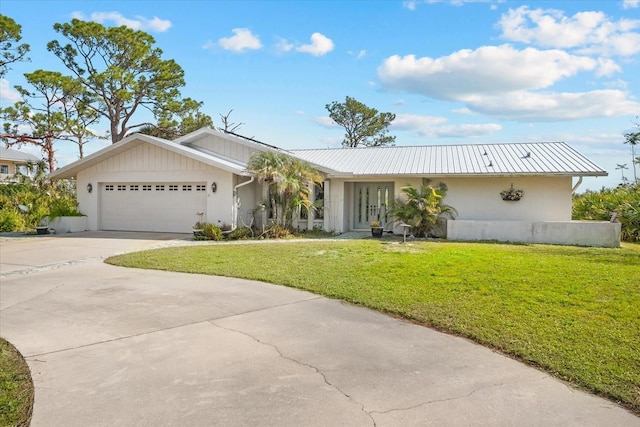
<point>372,201</point>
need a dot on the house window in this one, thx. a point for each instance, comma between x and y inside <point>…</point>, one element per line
<point>122,188</point>
<point>108,187</point>
<point>318,203</point>
<point>173,188</point>
<point>146,188</point>
<point>133,187</point>
<point>4,169</point>
<point>201,187</point>
<point>159,187</point>
<point>186,188</point>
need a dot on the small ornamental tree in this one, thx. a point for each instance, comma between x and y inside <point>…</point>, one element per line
<point>422,208</point>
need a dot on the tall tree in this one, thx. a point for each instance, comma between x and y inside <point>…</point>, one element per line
<point>363,125</point>
<point>121,72</point>
<point>10,50</point>
<point>633,139</point>
<point>183,117</point>
<point>48,113</point>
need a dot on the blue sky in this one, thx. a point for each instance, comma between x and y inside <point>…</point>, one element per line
<point>453,72</point>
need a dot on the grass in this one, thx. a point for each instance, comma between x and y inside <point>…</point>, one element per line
<point>16,387</point>
<point>574,312</point>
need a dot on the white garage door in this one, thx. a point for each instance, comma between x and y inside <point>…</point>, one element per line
<point>164,206</point>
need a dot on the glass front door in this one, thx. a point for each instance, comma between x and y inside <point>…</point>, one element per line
<point>372,201</point>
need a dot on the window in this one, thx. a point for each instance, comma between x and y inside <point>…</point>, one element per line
<point>146,188</point>
<point>201,187</point>
<point>173,188</point>
<point>133,187</point>
<point>159,187</point>
<point>4,169</point>
<point>122,188</point>
<point>108,187</point>
<point>186,188</point>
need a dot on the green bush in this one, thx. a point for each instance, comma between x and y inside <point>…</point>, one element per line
<point>211,232</point>
<point>240,233</point>
<point>277,232</point>
<point>41,198</point>
<point>623,200</point>
<point>10,220</point>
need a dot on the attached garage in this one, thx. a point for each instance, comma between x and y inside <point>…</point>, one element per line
<point>145,206</point>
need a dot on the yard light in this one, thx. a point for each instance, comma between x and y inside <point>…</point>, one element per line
<point>214,187</point>
<point>89,187</point>
<point>405,227</point>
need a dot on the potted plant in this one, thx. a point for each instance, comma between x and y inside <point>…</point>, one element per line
<point>511,195</point>
<point>43,228</point>
<point>376,229</point>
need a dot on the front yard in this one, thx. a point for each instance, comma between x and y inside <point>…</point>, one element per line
<point>574,312</point>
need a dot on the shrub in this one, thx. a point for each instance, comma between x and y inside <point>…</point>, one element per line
<point>240,233</point>
<point>10,220</point>
<point>277,232</point>
<point>211,232</point>
<point>623,200</point>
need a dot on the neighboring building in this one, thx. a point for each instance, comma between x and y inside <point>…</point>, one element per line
<point>14,161</point>
<point>143,183</point>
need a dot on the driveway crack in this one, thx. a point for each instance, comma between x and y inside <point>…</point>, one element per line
<point>449,399</point>
<point>300,363</point>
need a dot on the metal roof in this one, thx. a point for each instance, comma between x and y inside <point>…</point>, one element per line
<point>17,156</point>
<point>538,158</point>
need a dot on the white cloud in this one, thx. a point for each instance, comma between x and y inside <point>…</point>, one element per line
<point>411,4</point>
<point>282,45</point>
<point>588,32</point>
<point>139,23</point>
<point>358,55</point>
<point>325,121</point>
<point>241,40</point>
<point>434,127</point>
<point>486,70</point>
<point>534,106</point>
<point>630,4</point>
<point>7,94</point>
<point>507,83</point>
<point>320,45</point>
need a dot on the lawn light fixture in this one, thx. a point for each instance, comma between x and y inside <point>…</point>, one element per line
<point>214,187</point>
<point>89,187</point>
<point>405,227</point>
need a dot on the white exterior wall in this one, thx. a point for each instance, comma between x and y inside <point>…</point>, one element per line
<point>148,163</point>
<point>581,233</point>
<point>224,147</point>
<point>475,198</point>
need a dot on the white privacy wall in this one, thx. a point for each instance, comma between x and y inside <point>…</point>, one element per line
<point>147,163</point>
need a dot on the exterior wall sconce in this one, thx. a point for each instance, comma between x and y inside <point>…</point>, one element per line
<point>214,187</point>
<point>89,187</point>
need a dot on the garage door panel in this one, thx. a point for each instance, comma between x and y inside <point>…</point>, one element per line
<point>168,207</point>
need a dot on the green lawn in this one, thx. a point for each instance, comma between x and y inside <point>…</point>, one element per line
<point>16,388</point>
<point>574,312</point>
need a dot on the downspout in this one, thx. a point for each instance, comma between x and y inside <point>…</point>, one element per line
<point>575,187</point>
<point>236,202</point>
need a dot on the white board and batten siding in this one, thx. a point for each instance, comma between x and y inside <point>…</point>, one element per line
<point>148,188</point>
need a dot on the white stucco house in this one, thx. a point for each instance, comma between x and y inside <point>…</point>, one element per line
<point>143,183</point>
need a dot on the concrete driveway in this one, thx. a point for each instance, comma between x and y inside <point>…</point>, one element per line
<point>109,346</point>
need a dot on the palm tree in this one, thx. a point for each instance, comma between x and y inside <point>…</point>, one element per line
<point>289,180</point>
<point>422,208</point>
<point>622,167</point>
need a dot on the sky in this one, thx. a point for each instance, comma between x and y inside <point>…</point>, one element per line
<point>452,71</point>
